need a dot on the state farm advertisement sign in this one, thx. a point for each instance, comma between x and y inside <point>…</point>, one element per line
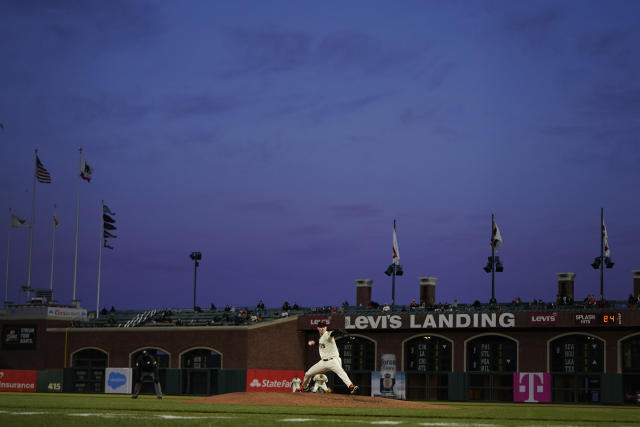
<point>14,380</point>
<point>543,319</point>
<point>264,380</point>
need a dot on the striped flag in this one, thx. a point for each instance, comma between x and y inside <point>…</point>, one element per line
<point>496,237</point>
<point>42,173</point>
<point>607,250</point>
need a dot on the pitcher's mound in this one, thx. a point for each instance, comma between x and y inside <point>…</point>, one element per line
<point>313,399</point>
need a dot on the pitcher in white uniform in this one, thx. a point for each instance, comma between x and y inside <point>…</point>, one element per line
<point>329,358</point>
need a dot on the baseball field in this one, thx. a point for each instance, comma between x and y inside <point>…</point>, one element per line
<point>289,409</point>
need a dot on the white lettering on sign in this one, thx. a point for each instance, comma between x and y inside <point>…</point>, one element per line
<point>432,321</point>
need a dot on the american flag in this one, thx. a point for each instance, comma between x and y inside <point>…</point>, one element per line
<point>42,174</point>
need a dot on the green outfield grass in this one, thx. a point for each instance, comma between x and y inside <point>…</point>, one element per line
<point>100,410</point>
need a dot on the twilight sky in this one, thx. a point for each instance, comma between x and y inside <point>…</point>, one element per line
<point>282,138</point>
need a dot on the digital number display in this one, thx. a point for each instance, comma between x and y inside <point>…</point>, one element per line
<point>611,319</point>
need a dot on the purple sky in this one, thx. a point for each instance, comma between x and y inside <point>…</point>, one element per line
<point>282,138</point>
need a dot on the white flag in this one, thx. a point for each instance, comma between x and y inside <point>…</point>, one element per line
<point>17,222</point>
<point>607,251</point>
<point>396,252</point>
<point>496,237</point>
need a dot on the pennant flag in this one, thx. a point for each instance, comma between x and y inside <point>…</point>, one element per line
<point>56,221</point>
<point>496,237</point>
<point>85,170</point>
<point>105,209</point>
<point>107,218</point>
<point>17,222</point>
<point>42,174</point>
<point>108,226</point>
<point>107,245</point>
<point>607,251</point>
<point>396,252</point>
<point>109,235</point>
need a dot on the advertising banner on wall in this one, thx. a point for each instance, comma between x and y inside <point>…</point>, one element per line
<point>532,387</point>
<point>15,380</point>
<point>19,337</point>
<point>384,386</point>
<point>117,380</point>
<point>271,380</point>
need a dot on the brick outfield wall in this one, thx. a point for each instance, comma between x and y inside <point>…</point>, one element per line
<point>281,344</point>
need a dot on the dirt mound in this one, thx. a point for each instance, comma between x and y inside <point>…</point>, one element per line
<point>313,399</point>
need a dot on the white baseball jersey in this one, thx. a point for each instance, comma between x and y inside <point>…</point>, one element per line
<point>327,346</point>
<point>295,383</point>
<point>320,379</point>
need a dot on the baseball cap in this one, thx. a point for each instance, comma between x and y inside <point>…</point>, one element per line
<point>321,324</point>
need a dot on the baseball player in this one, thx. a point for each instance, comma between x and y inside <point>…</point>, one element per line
<point>295,384</point>
<point>319,383</point>
<point>146,366</point>
<point>329,358</point>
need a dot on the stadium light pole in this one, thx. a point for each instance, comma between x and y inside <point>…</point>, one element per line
<point>195,256</point>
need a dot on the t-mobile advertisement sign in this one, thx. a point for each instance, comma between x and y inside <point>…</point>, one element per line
<point>531,387</point>
<point>13,380</point>
<point>271,380</point>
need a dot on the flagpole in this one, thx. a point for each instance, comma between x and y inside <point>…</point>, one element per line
<point>101,240</point>
<point>493,265</point>
<point>602,254</point>
<point>33,221</point>
<point>75,256</point>
<point>6,274</point>
<point>393,275</point>
<point>53,247</point>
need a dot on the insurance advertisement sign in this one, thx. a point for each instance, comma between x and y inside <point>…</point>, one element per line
<point>261,380</point>
<point>16,380</point>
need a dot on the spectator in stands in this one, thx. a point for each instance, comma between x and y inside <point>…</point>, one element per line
<point>295,306</point>
<point>454,304</point>
<point>476,304</point>
<point>414,305</point>
<point>386,307</point>
<point>260,306</point>
<point>213,307</point>
<point>286,306</point>
<point>104,311</point>
<point>113,310</point>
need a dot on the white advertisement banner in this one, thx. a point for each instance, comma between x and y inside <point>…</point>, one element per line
<point>67,313</point>
<point>117,380</point>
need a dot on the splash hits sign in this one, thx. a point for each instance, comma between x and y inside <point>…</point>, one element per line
<point>265,380</point>
<point>532,387</point>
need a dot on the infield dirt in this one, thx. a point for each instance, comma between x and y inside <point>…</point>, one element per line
<point>313,399</point>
